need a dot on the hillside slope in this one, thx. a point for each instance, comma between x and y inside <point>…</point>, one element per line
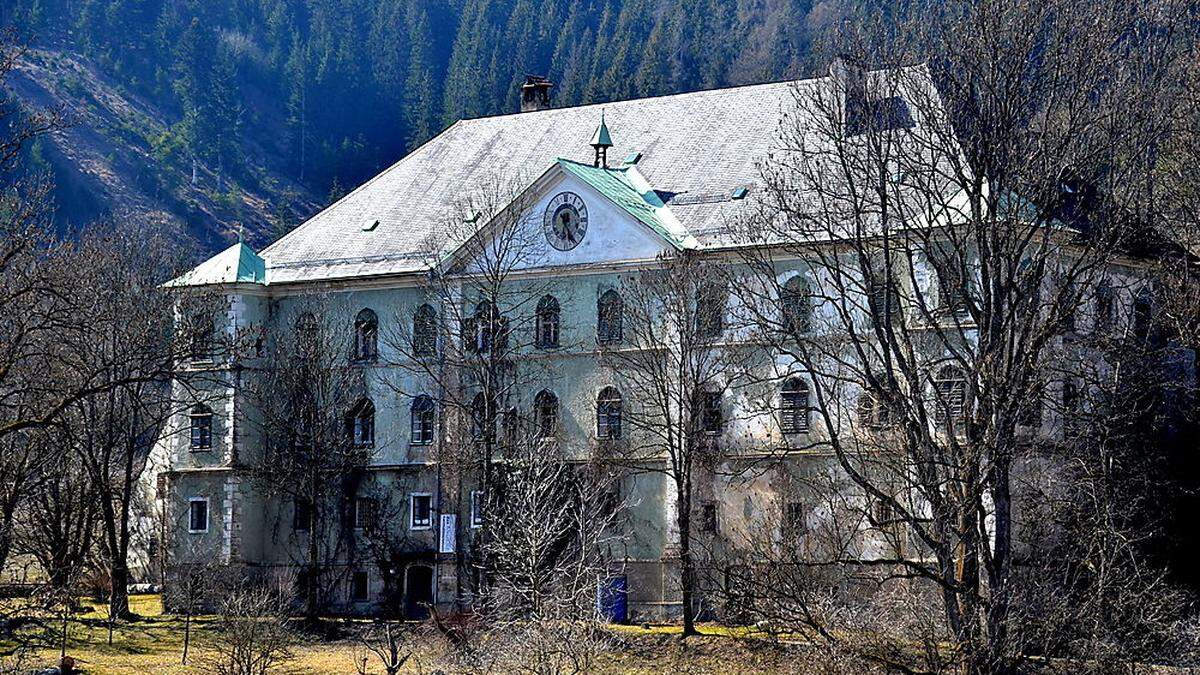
<point>109,162</point>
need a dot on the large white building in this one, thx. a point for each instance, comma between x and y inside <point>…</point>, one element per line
<point>678,171</point>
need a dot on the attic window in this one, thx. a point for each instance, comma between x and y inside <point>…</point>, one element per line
<point>369,225</point>
<point>633,157</point>
<point>739,193</point>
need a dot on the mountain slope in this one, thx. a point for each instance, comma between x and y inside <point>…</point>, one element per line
<point>109,163</point>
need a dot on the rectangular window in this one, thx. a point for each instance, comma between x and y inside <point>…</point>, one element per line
<point>201,419</point>
<point>708,517</point>
<point>301,515</point>
<point>364,512</point>
<point>476,509</point>
<point>710,412</point>
<point>360,586</point>
<point>420,511</point>
<point>794,523</point>
<point>197,514</point>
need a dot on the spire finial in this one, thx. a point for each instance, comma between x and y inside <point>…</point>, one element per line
<point>601,142</point>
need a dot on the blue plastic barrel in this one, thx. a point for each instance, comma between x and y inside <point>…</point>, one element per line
<point>612,599</point>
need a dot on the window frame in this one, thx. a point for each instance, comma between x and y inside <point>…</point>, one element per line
<point>548,323</point>
<point>357,423</point>
<point>610,311</point>
<point>546,407</point>
<point>420,418</point>
<point>608,409</point>
<point>301,506</point>
<point>366,337</point>
<point>712,408</point>
<point>413,525</point>
<point>796,305</point>
<point>795,415</point>
<point>950,382</point>
<point>198,412</point>
<point>365,512</point>
<point>476,509</point>
<point>191,515</point>
<point>424,331</point>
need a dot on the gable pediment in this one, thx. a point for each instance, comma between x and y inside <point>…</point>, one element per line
<point>576,214</point>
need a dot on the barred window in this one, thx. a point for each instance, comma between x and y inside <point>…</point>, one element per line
<point>951,387</point>
<point>796,299</point>
<point>547,327</point>
<point>793,406</point>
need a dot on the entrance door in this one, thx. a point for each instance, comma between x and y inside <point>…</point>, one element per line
<point>418,591</point>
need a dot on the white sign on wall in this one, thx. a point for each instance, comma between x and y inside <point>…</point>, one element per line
<point>449,531</point>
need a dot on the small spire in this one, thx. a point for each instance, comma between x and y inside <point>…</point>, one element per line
<point>241,235</point>
<point>601,142</point>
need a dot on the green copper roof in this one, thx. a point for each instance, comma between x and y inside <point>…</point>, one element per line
<point>628,189</point>
<point>238,264</point>
<point>601,139</point>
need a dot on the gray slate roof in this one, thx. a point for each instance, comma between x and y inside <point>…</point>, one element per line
<point>699,146</point>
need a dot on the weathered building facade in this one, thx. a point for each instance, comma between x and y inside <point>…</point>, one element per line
<point>595,195</point>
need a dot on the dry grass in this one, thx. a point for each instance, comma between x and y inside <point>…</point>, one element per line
<point>154,645</point>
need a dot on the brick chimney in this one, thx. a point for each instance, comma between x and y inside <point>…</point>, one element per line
<point>535,93</point>
<point>850,79</point>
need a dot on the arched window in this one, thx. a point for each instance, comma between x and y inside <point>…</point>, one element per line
<point>796,299</point>
<point>608,318</point>
<point>422,420</point>
<point>547,323</point>
<point>201,418</point>
<point>360,424</point>
<point>483,422</point>
<point>608,414</point>
<point>951,387</point>
<point>710,310</point>
<point>545,406</point>
<point>486,329</point>
<point>424,331</point>
<point>366,337</point>
<point>793,406</point>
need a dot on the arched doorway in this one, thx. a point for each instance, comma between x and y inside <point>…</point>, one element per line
<point>418,591</point>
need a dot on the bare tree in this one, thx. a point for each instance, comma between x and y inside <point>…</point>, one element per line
<point>465,345</point>
<point>196,577</point>
<point>316,430</point>
<point>941,232</point>
<point>253,636</point>
<point>674,371</point>
<point>388,642</point>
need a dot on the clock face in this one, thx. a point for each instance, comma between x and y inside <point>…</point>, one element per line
<point>565,222</point>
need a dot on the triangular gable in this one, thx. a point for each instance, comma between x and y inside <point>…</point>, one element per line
<point>624,187</point>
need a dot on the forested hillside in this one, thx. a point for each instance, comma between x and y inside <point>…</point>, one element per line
<point>272,107</point>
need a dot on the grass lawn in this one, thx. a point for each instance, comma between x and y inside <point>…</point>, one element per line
<point>153,646</point>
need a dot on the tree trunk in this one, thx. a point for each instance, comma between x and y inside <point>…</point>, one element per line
<point>687,576</point>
